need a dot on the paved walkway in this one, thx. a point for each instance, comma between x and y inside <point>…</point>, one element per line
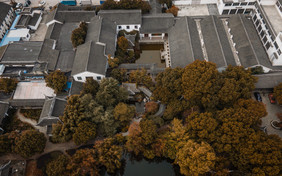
<point>31,122</point>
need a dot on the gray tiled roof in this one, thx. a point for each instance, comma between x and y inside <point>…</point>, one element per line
<point>34,19</point>
<point>48,54</point>
<point>76,87</point>
<point>52,109</point>
<point>157,23</point>
<point>122,17</point>
<point>22,52</point>
<point>27,102</point>
<point>4,9</point>
<point>248,44</point>
<point>90,57</point>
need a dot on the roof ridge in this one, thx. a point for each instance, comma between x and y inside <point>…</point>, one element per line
<point>240,17</point>
<point>189,35</point>
<point>219,40</point>
<point>88,57</point>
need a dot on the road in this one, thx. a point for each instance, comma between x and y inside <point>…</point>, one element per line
<point>272,110</point>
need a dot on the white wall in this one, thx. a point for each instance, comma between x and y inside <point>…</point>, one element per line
<point>128,28</point>
<point>267,2</point>
<point>86,74</point>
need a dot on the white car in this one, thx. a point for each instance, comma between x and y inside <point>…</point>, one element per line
<point>41,3</point>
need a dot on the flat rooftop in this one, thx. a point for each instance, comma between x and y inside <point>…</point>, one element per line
<point>274,18</point>
<point>33,90</point>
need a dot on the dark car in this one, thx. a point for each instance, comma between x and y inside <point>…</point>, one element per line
<point>271,98</point>
<point>257,96</point>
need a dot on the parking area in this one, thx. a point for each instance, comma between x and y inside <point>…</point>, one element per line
<point>272,110</point>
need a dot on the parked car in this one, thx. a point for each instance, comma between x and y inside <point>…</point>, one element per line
<point>41,3</point>
<point>271,98</point>
<point>257,96</point>
<point>19,5</point>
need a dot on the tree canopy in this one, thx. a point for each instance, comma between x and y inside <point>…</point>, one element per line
<point>91,86</point>
<point>8,85</point>
<point>56,80</point>
<point>29,143</point>
<point>278,93</point>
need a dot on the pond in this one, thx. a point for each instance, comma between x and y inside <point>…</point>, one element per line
<point>147,168</point>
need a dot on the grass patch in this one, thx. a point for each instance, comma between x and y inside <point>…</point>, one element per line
<point>12,123</point>
<point>32,114</point>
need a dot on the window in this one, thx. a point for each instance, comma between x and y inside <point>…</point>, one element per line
<point>228,4</point>
<point>98,77</point>
<point>240,11</point>
<point>257,23</point>
<point>259,28</point>
<point>261,34</point>
<point>235,4</point>
<point>225,12</point>
<point>251,3</point>
<point>275,44</point>
<point>267,45</point>
<point>136,27</point>
<point>79,78</point>
<point>248,11</point>
<point>264,40</point>
<point>255,18</point>
<point>243,3</point>
<point>279,52</point>
<point>233,11</point>
<point>127,27</point>
<point>119,27</point>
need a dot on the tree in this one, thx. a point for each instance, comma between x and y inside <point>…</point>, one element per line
<point>110,93</point>
<point>29,143</point>
<point>151,107</point>
<point>90,87</point>
<point>173,10</point>
<point>169,85</point>
<point>175,108</point>
<point>56,80</point>
<point>141,77</point>
<point>84,162</point>
<point>202,126</point>
<point>109,154</point>
<point>84,132</point>
<point>58,166</point>
<point>200,84</point>
<point>113,62</point>
<point>119,74</point>
<point>6,143</point>
<point>124,113</point>
<point>141,137</point>
<point>8,85</point>
<point>195,159</point>
<point>79,34</point>
<point>122,43</point>
<point>278,93</point>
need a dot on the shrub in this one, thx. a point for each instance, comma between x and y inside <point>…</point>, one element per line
<point>79,34</point>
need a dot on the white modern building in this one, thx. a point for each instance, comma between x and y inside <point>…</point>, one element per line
<point>7,16</point>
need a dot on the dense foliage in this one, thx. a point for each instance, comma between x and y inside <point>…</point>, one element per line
<point>8,85</point>
<point>278,93</point>
<point>56,80</point>
<point>79,34</point>
<point>126,4</point>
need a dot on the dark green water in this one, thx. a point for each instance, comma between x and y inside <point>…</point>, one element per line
<point>145,168</point>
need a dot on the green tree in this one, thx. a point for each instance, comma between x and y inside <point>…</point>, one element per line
<point>278,93</point>
<point>56,80</point>
<point>151,107</point>
<point>169,85</point>
<point>202,126</point>
<point>175,108</point>
<point>200,82</point>
<point>141,77</point>
<point>195,159</point>
<point>109,154</point>
<point>119,74</point>
<point>29,143</point>
<point>84,162</point>
<point>90,87</point>
<point>79,34</point>
<point>6,143</point>
<point>84,132</point>
<point>8,85</point>
<point>110,93</point>
<point>58,166</point>
<point>124,113</point>
<point>122,43</point>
